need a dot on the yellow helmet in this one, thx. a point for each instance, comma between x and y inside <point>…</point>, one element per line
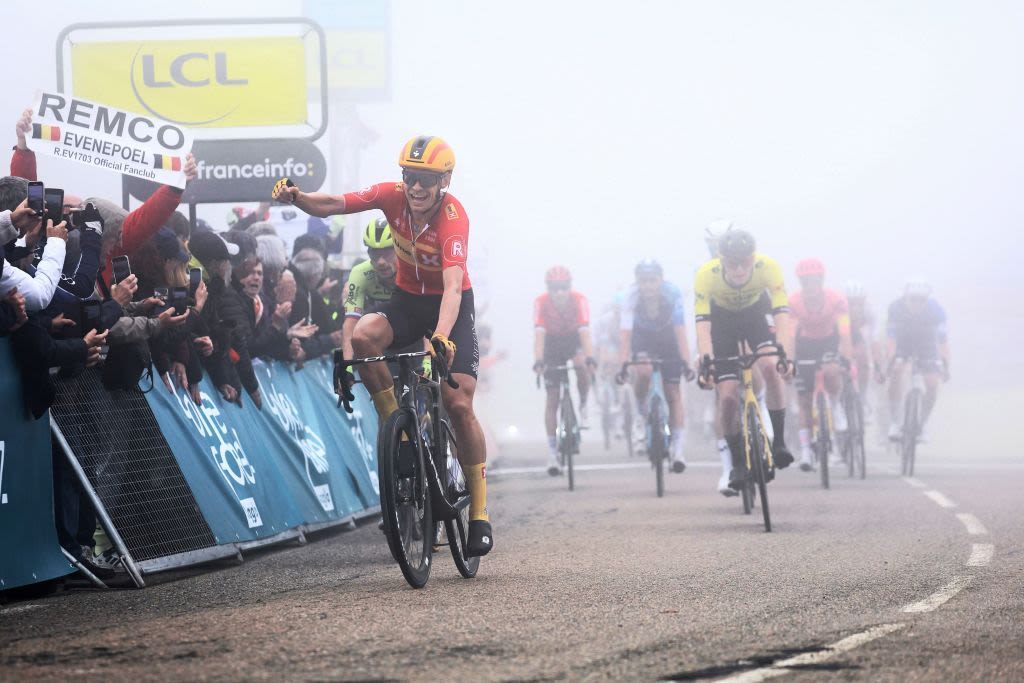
<point>378,235</point>
<point>428,153</point>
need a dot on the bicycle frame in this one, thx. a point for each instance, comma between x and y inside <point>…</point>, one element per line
<point>429,421</point>
<point>750,401</point>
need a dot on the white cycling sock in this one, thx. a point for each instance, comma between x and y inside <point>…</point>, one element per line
<point>725,455</point>
<point>805,438</point>
<point>678,439</point>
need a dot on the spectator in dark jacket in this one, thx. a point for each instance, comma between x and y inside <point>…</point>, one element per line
<point>230,364</point>
<point>309,307</point>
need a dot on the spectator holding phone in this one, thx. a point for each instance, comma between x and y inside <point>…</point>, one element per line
<point>38,289</point>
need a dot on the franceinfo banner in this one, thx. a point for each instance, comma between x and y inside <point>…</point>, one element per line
<point>110,139</point>
<point>255,473</point>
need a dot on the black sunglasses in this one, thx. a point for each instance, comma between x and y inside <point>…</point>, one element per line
<point>426,180</point>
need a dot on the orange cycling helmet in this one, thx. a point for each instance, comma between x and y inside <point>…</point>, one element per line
<point>810,267</point>
<point>427,153</point>
<point>557,274</point>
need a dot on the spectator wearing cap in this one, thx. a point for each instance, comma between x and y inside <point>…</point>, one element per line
<point>230,364</point>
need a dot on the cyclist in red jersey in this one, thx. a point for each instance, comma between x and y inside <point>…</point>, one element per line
<point>562,333</point>
<point>822,327</point>
<point>433,297</point>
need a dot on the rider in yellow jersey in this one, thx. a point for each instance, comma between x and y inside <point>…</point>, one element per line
<point>741,301</point>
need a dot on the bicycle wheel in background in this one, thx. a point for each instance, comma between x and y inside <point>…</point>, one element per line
<point>405,499</point>
<point>911,430</point>
<point>657,446</point>
<point>457,529</point>
<point>569,442</point>
<point>855,434</point>
<point>823,443</point>
<point>758,463</point>
<point>627,422</point>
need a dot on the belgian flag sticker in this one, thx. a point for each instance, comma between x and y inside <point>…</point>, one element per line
<point>166,163</point>
<point>41,132</point>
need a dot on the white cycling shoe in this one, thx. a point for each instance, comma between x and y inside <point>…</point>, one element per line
<point>895,432</point>
<point>806,459</point>
<point>554,467</point>
<point>723,485</point>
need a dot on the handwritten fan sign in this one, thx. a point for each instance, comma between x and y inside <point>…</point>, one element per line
<point>110,139</point>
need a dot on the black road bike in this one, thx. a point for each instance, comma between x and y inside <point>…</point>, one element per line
<point>423,495</point>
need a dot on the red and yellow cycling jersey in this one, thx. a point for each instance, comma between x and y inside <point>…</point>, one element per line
<point>822,320</point>
<point>557,321</point>
<point>422,257</point>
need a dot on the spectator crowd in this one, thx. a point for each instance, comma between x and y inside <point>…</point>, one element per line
<point>146,295</point>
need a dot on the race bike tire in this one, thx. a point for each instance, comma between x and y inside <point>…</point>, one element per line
<point>758,463</point>
<point>405,525</point>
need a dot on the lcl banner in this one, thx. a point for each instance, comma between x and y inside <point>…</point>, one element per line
<point>203,83</point>
<point>110,139</point>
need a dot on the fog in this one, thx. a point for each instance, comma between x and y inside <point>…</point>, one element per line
<point>883,137</point>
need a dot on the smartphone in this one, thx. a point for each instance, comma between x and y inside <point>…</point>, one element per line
<point>195,276</point>
<point>92,319</point>
<point>179,300</point>
<point>122,268</point>
<point>36,198</point>
<point>54,201</point>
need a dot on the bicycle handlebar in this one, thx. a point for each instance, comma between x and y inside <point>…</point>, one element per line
<point>343,388</point>
<point>746,361</point>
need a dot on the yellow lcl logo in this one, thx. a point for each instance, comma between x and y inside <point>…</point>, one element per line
<point>228,82</point>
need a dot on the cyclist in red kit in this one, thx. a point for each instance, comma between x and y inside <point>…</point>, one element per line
<point>433,297</point>
<point>562,333</point>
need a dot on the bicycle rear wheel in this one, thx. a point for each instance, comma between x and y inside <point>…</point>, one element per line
<point>759,466</point>
<point>405,499</point>
<point>911,430</point>
<point>658,450</point>
<point>822,445</point>
<point>747,494</point>
<point>457,529</point>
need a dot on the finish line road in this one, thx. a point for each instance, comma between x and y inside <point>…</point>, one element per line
<point>887,579</point>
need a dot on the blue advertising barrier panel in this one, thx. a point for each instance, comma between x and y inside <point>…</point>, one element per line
<point>255,473</point>
<point>28,537</point>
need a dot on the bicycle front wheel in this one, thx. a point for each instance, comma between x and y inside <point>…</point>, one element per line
<point>657,446</point>
<point>758,462</point>
<point>911,430</point>
<point>570,443</point>
<point>822,445</point>
<point>405,498</point>
<point>855,435</point>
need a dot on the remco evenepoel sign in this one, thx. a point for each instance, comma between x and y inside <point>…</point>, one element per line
<point>110,139</point>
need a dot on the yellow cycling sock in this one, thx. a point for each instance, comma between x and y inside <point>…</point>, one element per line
<point>385,403</point>
<point>476,482</point>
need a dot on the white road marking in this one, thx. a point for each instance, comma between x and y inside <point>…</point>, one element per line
<point>940,597</point>
<point>645,465</point>
<point>916,483</point>
<point>20,608</point>
<point>810,658</point>
<point>940,499</point>
<point>973,524</point>
<point>981,554</point>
